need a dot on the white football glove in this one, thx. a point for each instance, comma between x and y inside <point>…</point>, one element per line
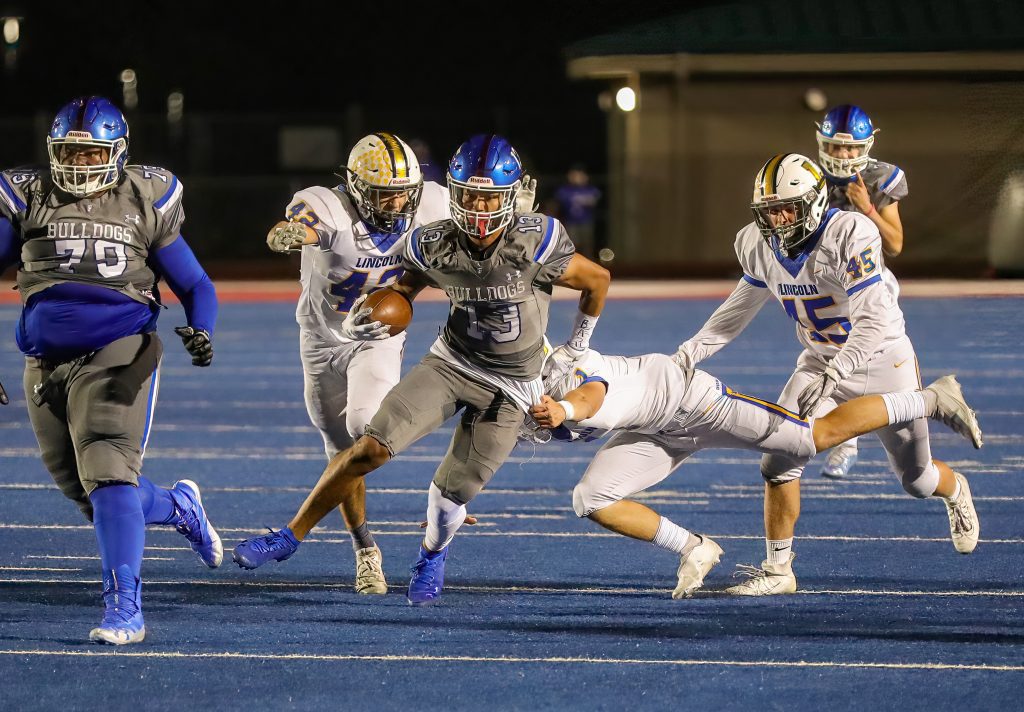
<point>817,391</point>
<point>684,360</point>
<point>560,362</point>
<point>287,238</point>
<point>358,327</point>
<point>526,200</point>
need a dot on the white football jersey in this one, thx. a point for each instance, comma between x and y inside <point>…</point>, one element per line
<point>350,259</point>
<point>644,393</point>
<point>815,287</point>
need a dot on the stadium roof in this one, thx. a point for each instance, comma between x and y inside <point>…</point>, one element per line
<point>989,33</point>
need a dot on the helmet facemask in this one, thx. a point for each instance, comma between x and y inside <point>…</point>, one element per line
<point>479,224</point>
<point>370,198</point>
<point>83,180</point>
<point>844,167</point>
<point>787,238</point>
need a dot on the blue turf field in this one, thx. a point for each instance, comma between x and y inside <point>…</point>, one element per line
<point>541,610</point>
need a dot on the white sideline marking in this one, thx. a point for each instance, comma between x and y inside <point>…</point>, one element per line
<point>89,558</point>
<point>518,660</point>
<point>34,568</point>
<point>469,531</point>
<point>630,591</point>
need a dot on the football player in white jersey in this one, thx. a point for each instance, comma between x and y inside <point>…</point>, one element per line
<point>662,414</point>
<point>352,239</point>
<point>826,267</point>
<point>856,181</point>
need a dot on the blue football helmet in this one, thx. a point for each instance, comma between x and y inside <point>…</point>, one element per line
<point>80,128</point>
<point>484,166</point>
<point>848,126</point>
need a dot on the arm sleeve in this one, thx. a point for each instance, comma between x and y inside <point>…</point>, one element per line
<point>868,307</point>
<point>554,253</point>
<point>10,245</point>
<point>728,321</point>
<point>189,282</point>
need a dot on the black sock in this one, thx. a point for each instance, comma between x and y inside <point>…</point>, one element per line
<point>361,537</point>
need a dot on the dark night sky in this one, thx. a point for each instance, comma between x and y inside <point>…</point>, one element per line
<point>440,70</point>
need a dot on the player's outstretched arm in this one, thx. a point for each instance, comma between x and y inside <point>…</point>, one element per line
<point>728,322</point>
<point>410,284</point>
<point>592,281</point>
<point>287,236</point>
<point>190,283</point>
<point>578,404</point>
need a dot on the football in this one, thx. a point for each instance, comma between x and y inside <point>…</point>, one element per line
<point>389,307</point>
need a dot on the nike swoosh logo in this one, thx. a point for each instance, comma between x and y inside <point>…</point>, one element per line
<point>897,365</point>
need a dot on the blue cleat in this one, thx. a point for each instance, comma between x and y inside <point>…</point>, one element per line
<point>253,553</point>
<point>427,577</point>
<point>191,521</point>
<point>122,618</point>
<point>840,461</point>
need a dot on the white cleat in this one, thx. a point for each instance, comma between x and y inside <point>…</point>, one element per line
<point>964,526</point>
<point>117,636</point>
<point>370,572</point>
<point>769,580</point>
<point>952,410</point>
<point>694,566</point>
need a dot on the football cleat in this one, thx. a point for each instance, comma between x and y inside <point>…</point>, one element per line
<point>952,410</point>
<point>964,526</point>
<point>191,522</point>
<point>122,615</point>
<point>769,580</point>
<point>427,577</point>
<point>840,461</point>
<point>369,572</point>
<point>253,553</point>
<point>694,566</point>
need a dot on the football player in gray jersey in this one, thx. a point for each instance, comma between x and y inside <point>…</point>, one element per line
<point>862,184</point>
<point>91,235</point>
<point>498,268</point>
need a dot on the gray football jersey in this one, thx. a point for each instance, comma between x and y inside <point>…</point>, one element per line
<point>499,305</point>
<point>103,240</point>
<point>886,184</point>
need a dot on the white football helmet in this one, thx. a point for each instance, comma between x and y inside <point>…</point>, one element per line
<point>789,180</point>
<point>380,166</point>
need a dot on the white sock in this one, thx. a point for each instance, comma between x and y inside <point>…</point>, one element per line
<point>444,517</point>
<point>671,537</point>
<point>778,550</point>
<point>905,407</point>
<point>956,492</point>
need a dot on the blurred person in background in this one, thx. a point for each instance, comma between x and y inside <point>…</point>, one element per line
<point>869,186</point>
<point>577,200</point>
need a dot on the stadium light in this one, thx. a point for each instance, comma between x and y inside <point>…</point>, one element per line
<point>12,30</point>
<point>129,88</point>
<point>815,99</point>
<point>625,99</point>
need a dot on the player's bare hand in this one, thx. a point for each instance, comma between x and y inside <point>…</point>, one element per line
<point>548,413</point>
<point>470,520</point>
<point>358,327</point>
<point>288,238</point>
<point>858,194</point>
<point>4,400</point>
<point>526,201</point>
<point>198,344</point>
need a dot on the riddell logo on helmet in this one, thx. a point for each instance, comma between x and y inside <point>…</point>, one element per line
<point>401,181</point>
<point>79,134</point>
<point>480,180</point>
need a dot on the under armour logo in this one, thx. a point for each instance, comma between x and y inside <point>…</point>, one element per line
<point>509,277</point>
<point>132,218</point>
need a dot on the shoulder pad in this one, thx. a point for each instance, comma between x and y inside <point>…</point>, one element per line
<point>328,207</point>
<point>157,184</point>
<point>18,184</point>
<point>427,240</point>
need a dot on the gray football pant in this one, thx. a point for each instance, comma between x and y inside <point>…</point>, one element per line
<point>427,396</point>
<point>95,419</point>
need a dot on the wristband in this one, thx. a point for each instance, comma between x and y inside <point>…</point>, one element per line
<point>870,211</point>
<point>570,412</point>
<point>582,329</point>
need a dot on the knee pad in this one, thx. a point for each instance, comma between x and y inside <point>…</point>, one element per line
<point>777,470</point>
<point>586,501</point>
<point>463,482</point>
<point>921,483</point>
